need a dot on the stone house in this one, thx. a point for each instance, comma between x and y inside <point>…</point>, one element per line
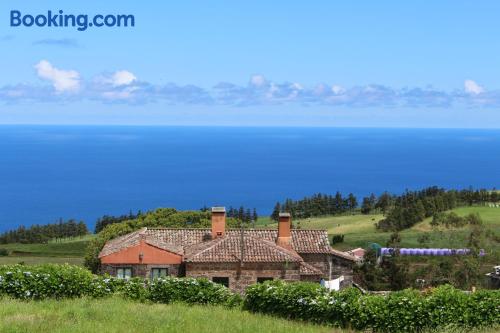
<point>236,258</point>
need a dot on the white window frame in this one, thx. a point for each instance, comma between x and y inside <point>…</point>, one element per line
<point>121,272</point>
<point>158,269</point>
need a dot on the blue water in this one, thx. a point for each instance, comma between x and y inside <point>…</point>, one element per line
<point>83,172</point>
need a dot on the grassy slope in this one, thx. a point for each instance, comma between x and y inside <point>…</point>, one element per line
<point>359,230</point>
<point>117,315</point>
<point>68,251</point>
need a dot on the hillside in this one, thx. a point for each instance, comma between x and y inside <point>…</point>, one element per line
<point>69,251</point>
<point>360,231</point>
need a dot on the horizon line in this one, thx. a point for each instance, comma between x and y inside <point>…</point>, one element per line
<point>244,126</point>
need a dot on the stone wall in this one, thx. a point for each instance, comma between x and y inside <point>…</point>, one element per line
<point>240,277</point>
<point>310,278</point>
<point>340,266</point>
<point>142,271</point>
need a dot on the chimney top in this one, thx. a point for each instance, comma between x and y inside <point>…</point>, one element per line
<point>284,215</point>
<point>218,209</point>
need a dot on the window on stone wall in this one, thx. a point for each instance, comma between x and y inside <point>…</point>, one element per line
<point>264,279</point>
<point>158,272</point>
<point>221,280</point>
<point>124,272</point>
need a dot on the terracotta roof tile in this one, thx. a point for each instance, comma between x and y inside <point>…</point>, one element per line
<point>307,269</point>
<point>182,241</point>
<point>228,249</point>
<point>119,243</point>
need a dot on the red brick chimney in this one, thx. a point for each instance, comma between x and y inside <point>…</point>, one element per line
<point>218,221</point>
<point>284,225</point>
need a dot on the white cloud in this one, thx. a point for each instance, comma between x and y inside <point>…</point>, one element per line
<point>122,78</point>
<point>122,94</point>
<point>336,89</point>
<point>471,87</point>
<point>258,80</point>
<point>124,87</point>
<point>62,80</point>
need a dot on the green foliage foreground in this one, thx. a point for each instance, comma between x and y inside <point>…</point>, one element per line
<point>404,311</point>
<point>116,315</point>
<point>66,281</point>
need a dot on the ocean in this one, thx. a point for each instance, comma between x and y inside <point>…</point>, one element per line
<point>83,172</point>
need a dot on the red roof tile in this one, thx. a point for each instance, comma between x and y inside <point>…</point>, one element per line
<point>307,269</point>
<point>182,241</point>
<point>229,249</point>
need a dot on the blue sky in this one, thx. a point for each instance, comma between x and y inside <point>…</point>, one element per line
<point>314,63</point>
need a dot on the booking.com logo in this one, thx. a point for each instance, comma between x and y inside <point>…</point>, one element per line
<point>81,22</point>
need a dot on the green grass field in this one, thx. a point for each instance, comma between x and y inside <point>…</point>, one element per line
<point>118,315</point>
<point>115,315</point>
<point>69,251</point>
<point>360,231</point>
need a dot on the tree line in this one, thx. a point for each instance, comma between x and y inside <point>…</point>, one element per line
<point>106,220</point>
<point>316,205</point>
<point>242,214</point>
<point>412,207</point>
<point>401,211</point>
<point>44,233</point>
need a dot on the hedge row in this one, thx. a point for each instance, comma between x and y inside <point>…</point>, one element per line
<point>185,290</point>
<point>53,281</point>
<point>66,281</point>
<point>405,311</point>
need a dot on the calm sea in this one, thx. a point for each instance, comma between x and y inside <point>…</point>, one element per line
<point>83,172</point>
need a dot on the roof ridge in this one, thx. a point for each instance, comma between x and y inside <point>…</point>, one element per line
<point>232,229</point>
<point>169,246</point>
<point>275,246</point>
<point>167,228</point>
<point>345,255</point>
<point>310,267</point>
<point>216,241</point>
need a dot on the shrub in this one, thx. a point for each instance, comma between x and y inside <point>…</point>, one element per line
<point>191,291</point>
<point>66,281</point>
<point>336,239</point>
<point>52,281</point>
<point>136,289</point>
<point>404,311</point>
<point>4,252</point>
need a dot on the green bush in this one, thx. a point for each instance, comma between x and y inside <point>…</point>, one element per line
<point>404,311</point>
<point>4,252</point>
<point>52,281</point>
<point>191,291</point>
<point>135,289</point>
<point>66,281</point>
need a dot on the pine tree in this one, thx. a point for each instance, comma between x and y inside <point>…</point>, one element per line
<point>352,202</point>
<point>276,212</point>
<point>255,217</point>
